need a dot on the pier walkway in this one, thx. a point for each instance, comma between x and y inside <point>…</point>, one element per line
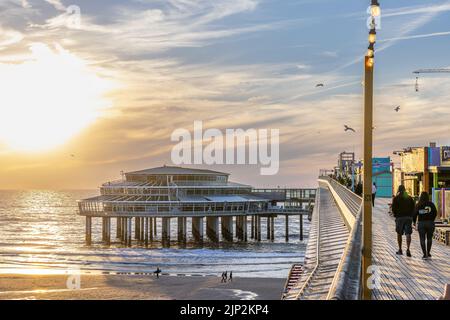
<point>332,267</point>
<point>404,278</point>
<point>328,238</point>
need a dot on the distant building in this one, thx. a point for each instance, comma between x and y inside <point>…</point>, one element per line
<point>382,176</point>
<point>346,162</point>
<point>423,168</point>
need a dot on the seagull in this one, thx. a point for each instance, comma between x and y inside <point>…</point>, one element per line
<point>319,85</point>
<point>397,108</point>
<point>347,128</point>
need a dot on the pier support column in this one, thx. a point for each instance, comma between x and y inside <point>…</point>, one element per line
<point>244,228</point>
<point>182,230</point>
<point>258,228</point>
<point>129,230</point>
<point>118,229</point>
<point>142,236</point>
<point>103,229</point>
<point>301,227</point>
<point>146,231</point>
<point>287,228</point>
<point>227,228</point>
<point>155,229</point>
<point>272,229</point>
<point>150,231</point>
<point>107,230</point>
<point>252,227</point>
<point>212,228</point>
<point>166,231</point>
<point>137,225</point>
<point>124,231</point>
<point>197,229</point>
<point>88,231</point>
<point>268,226</point>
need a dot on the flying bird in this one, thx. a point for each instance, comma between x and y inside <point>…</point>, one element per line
<point>347,128</point>
<point>397,108</point>
<point>319,85</point>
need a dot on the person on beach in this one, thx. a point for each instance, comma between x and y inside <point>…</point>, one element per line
<point>157,272</point>
<point>223,277</point>
<point>374,193</point>
<point>231,276</point>
<point>425,215</point>
<point>403,208</point>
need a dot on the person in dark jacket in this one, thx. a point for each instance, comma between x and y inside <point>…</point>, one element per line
<point>403,208</point>
<point>425,215</point>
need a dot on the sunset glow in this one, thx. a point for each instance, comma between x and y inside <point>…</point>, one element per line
<point>48,98</point>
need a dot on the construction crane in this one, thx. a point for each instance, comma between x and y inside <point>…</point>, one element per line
<point>417,72</point>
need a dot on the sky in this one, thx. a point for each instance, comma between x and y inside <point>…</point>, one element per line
<point>84,99</point>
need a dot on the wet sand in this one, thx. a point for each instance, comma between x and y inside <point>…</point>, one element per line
<point>137,287</point>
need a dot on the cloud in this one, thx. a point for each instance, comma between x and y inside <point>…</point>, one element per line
<point>9,37</point>
<point>417,36</point>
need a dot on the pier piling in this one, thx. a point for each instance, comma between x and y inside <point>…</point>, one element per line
<point>146,232</point>
<point>212,228</point>
<point>129,232</point>
<point>88,231</point>
<point>197,229</point>
<point>166,231</point>
<point>287,228</point>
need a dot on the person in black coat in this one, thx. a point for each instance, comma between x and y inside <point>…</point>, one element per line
<point>403,208</point>
<point>425,215</point>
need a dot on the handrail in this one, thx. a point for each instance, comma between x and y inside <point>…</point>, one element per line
<point>347,280</point>
<point>316,267</point>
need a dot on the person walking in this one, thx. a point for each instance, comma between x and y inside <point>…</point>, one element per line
<point>374,193</point>
<point>403,208</point>
<point>231,276</point>
<point>425,215</point>
<point>225,276</point>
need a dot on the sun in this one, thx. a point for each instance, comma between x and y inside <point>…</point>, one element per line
<point>48,98</point>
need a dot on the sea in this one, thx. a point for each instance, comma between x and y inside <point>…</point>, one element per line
<point>41,233</point>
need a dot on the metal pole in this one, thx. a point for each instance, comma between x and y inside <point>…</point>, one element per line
<point>367,177</point>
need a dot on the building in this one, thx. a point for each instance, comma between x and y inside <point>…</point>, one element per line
<point>423,169</point>
<point>382,176</point>
<point>346,162</point>
<point>169,192</point>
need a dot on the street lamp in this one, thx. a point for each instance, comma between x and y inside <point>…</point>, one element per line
<point>369,63</point>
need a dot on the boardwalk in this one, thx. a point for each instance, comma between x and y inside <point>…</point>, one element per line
<point>402,277</point>
<point>329,235</point>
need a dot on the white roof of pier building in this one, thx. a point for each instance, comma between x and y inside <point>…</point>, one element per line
<point>173,170</point>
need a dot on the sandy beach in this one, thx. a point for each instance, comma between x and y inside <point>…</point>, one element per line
<point>138,287</point>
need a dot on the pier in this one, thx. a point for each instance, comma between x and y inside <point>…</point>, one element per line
<point>332,267</point>
<point>202,201</point>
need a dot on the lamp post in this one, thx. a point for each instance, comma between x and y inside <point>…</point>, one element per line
<point>367,175</point>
